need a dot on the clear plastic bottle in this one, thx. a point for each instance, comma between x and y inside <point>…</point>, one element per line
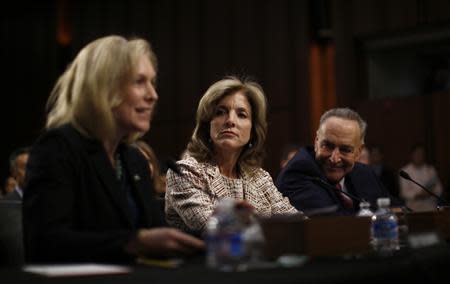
<point>384,228</point>
<point>225,244</point>
<point>364,209</point>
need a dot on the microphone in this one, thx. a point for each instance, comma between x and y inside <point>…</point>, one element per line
<point>329,186</point>
<point>170,163</point>
<point>406,176</point>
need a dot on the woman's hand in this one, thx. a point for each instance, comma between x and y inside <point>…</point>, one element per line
<point>163,242</point>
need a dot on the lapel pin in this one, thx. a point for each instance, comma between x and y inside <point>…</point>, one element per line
<point>136,178</point>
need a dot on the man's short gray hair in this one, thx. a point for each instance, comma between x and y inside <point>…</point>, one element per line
<point>346,113</point>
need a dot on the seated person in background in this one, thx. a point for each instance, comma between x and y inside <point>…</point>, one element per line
<point>316,177</point>
<point>223,158</point>
<point>425,174</point>
<point>159,180</point>
<point>17,166</point>
<point>383,172</point>
<point>10,184</point>
<point>88,195</point>
<point>289,151</point>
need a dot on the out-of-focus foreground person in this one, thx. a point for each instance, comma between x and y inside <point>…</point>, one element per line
<point>223,158</point>
<point>419,170</point>
<point>88,195</point>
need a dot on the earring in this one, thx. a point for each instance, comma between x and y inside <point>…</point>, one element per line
<point>250,145</point>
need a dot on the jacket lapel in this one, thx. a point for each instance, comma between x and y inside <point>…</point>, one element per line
<point>107,177</point>
<point>140,182</point>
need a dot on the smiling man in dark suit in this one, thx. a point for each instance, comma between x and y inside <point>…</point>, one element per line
<point>327,175</point>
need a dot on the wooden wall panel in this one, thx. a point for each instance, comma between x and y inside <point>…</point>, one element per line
<point>435,11</point>
<point>197,42</point>
<point>441,129</point>
<point>394,123</point>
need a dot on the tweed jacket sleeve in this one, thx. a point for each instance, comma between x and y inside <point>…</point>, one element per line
<point>278,203</point>
<point>192,196</point>
<point>189,199</point>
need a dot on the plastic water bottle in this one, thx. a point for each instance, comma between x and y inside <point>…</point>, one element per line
<point>384,228</point>
<point>364,209</point>
<point>224,240</point>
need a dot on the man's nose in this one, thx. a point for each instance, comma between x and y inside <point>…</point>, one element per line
<point>335,155</point>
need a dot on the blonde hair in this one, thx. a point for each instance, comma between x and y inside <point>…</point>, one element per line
<point>159,182</point>
<point>199,146</point>
<point>92,86</point>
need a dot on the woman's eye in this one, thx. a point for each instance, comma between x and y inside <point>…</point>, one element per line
<point>219,112</point>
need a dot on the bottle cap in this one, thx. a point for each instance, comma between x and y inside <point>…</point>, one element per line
<point>383,202</point>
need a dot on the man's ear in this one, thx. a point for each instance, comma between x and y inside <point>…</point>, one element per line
<point>316,141</point>
<point>358,151</point>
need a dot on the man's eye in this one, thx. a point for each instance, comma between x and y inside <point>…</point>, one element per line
<point>346,150</point>
<point>328,146</point>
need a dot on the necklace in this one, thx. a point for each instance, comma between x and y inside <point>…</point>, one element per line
<point>119,172</point>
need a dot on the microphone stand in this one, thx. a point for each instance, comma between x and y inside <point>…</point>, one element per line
<point>406,176</point>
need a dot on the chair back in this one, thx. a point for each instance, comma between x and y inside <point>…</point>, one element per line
<point>11,234</point>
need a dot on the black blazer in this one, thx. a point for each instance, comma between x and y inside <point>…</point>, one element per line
<point>74,208</point>
<point>307,188</point>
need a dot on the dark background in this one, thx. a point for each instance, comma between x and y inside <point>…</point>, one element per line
<point>387,59</point>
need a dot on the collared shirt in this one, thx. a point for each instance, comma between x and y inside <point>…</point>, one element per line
<point>19,191</point>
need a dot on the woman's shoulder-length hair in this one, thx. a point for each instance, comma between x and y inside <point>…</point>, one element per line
<point>92,85</point>
<point>200,146</point>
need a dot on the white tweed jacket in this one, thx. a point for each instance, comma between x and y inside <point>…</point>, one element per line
<point>192,196</point>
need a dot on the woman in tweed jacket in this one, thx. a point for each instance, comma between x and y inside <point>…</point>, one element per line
<point>223,158</point>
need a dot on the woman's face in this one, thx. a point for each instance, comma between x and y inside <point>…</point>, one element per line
<point>139,99</point>
<point>231,126</point>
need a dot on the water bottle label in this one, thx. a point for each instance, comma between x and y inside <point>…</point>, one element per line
<point>385,230</point>
<point>236,245</point>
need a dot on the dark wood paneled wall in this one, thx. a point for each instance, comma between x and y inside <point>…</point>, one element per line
<point>399,123</point>
<point>197,42</point>
<point>200,41</point>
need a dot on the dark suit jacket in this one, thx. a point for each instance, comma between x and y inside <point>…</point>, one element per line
<point>305,184</point>
<point>74,207</point>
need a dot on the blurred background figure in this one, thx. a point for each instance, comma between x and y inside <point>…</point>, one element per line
<point>416,198</point>
<point>384,172</point>
<point>17,164</point>
<point>10,184</point>
<point>159,178</point>
<point>364,157</point>
<point>288,152</point>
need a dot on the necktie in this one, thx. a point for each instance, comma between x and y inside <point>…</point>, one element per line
<point>346,201</point>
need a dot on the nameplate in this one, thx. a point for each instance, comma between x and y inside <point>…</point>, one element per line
<point>317,236</point>
<point>424,239</point>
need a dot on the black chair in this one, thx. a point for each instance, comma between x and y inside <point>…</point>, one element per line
<point>11,235</point>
